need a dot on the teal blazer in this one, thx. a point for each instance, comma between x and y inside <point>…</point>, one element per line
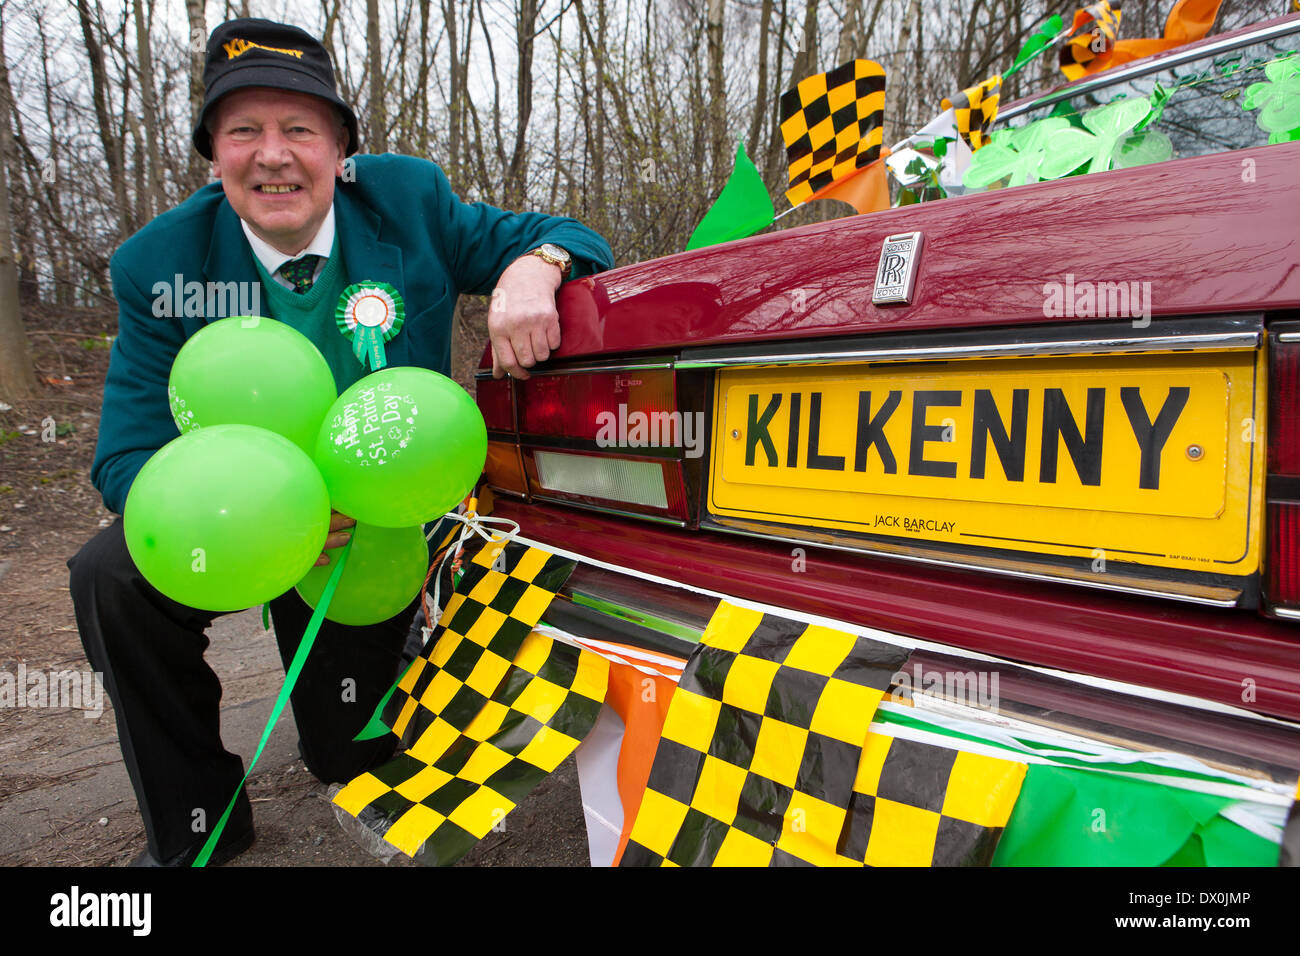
<point>397,221</point>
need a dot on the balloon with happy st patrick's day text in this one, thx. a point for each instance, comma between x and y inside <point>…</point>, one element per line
<point>250,370</point>
<point>383,574</point>
<point>401,447</point>
<point>226,517</point>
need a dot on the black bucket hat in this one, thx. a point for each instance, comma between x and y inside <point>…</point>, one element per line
<point>262,53</point>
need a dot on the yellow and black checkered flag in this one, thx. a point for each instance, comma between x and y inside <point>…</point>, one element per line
<point>501,596</point>
<point>453,786</point>
<point>761,745</point>
<point>975,109</point>
<point>917,804</point>
<point>1089,51</point>
<point>832,126</point>
<point>490,709</point>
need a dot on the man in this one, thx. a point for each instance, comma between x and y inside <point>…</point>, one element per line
<point>297,219</point>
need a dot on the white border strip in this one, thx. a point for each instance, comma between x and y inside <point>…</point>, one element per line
<point>1240,792</point>
<point>601,649</point>
<point>1093,752</point>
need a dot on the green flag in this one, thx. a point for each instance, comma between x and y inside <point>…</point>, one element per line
<point>1067,817</point>
<point>1037,44</point>
<point>742,208</point>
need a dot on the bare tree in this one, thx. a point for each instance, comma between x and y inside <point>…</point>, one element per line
<point>152,199</point>
<point>17,377</point>
<point>378,113</point>
<point>197,174</point>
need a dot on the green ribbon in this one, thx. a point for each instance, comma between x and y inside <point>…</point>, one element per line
<point>368,347</point>
<point>290,680</point>
<point>375,726</point>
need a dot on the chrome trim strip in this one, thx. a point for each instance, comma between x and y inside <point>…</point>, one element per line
<point>1288,336</point>
<point>1108,77</point>
<point>1286,613</point>
<point>1206,341</point>
<point>576,369</point>
<point>1028,575</point>
<point>674,522</point>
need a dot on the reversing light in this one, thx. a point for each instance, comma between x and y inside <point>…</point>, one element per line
<point>608,481</point>
<point>613,479</point>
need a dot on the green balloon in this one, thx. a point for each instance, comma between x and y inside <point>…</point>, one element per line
<point>385,570</point>
<point>250,370</point>
<point>226,517</point>
<point>401,447</point>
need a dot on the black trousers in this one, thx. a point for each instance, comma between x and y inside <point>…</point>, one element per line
<point>167,699</point>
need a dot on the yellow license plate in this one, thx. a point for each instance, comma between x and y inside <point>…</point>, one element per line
<point>1155,459</point>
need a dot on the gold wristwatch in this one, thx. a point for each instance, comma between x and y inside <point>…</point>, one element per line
<point>550,252</point>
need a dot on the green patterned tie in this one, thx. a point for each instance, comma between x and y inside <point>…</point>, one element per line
<point>300,272</point>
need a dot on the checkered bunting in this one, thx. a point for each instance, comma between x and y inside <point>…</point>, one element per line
<point>832,126</point>
<point>490,709</point>
<point>975,109</point>
<point>454,785</point>
<point>761,745</point>
<point>502,595</point>
<point>916,804</point>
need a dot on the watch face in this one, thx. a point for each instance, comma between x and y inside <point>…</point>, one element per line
<point>554,251</point>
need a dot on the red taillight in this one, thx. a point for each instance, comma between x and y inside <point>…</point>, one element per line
<point>612,440</point>
<point>1282,567</point>
<point>1281,571</point>
<point>494,401</point>
<point>593,405</point>
<point>1283,405</point>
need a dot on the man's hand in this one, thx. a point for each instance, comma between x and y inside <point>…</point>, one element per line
<point>523,324</point>
<point>338,536</point>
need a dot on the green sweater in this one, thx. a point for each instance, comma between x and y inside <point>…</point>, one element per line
<point>312,314</point>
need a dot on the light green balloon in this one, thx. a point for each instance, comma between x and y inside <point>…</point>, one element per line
<point>250,370</point>
<point>227,517</point>
<point>383,574</point>
<point>401,447</point>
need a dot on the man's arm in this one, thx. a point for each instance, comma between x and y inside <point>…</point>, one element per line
<point>136,420</point>
<point>488,252</point>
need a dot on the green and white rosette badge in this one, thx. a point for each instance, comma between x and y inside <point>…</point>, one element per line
<point>370,314</point>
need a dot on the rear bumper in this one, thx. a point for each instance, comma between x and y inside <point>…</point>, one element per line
<point>1227,656</point>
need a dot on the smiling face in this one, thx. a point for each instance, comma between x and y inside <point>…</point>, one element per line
<point>277,154</point>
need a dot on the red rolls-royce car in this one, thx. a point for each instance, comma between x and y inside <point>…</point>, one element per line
<point>1056,423</point>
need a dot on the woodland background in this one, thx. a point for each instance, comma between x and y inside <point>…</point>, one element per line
<point>622,113</point>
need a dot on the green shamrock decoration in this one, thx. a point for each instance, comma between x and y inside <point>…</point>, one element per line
<point>1159,97</point>
<point>1069,149</point>
<point>1278,100</point>
<point>1139,149</point>
<point>1013,152</point>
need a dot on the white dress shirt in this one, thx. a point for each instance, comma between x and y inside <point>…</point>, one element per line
<point>272,258</point>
